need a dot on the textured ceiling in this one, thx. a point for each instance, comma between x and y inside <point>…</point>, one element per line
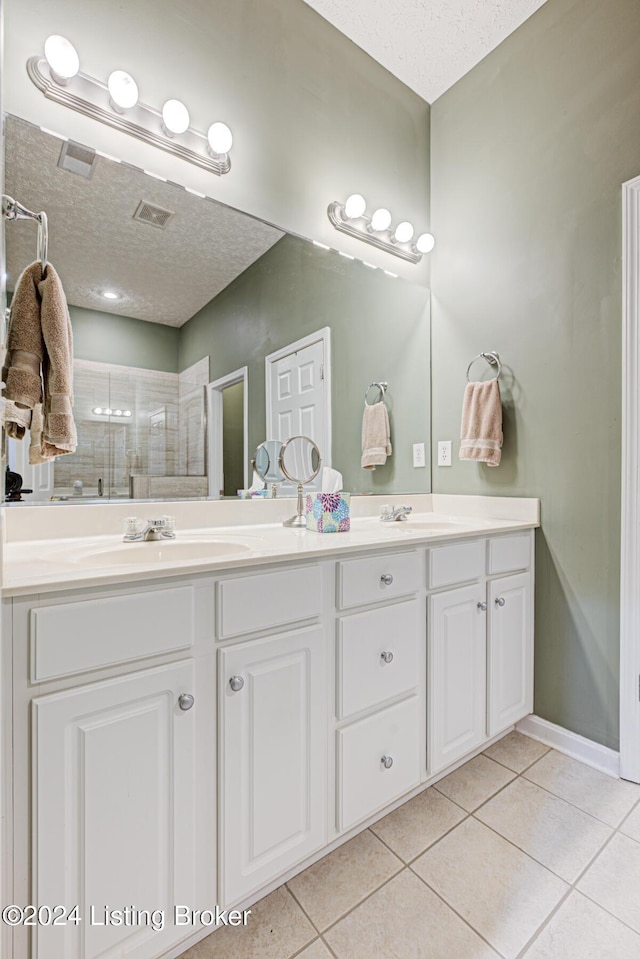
<point>164,276</point>
<point>428,44</point>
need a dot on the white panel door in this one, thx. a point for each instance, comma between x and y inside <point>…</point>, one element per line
<point>37,478</point>
<point>114,811</point>
<point>272,757</point>
<point>457,674</point>
<point>510,688</point>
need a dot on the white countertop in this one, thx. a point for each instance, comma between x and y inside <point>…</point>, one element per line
<point>53,564</point>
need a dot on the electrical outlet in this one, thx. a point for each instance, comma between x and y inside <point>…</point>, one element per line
<point>444,453</point>
<point>418,454</point>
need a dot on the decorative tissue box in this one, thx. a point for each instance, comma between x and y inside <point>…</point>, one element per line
<point>328,512</point>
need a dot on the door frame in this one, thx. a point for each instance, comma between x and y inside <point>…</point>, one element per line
<point>215,464</point>
<point>324,336</point>
<point>630,511</point>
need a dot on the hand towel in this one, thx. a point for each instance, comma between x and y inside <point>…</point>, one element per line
<point>40,351</point>
<point>16,420</point>
<point>376,440</point>
<point>481,427</point>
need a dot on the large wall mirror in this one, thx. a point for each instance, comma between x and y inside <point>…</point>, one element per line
<point>200,331</point>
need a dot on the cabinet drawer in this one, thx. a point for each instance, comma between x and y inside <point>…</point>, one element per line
<point>509,553</point>
<point>364,784</point>
<point>377,578</point>
<point>73,638</point>
<point>249,603</point>
<point>458,563</point>
<point>365,678</point>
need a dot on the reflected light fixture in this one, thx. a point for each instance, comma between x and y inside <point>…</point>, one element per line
<point>110,295</point>
<point>57,75</point>
<point>350,217</point>
<point>107,411</point>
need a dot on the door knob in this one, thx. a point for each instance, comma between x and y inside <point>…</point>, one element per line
<point>386,657</point>
<point>500,600</point>
<point>236,683</point>
<point>186,701</point>
<point>387,579</point>
<point>482,607</point>
<point>386,761</point>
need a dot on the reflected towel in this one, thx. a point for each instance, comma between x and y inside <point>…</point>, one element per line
<point>16,420</point>
<point>376,438</point>
<point>481,427</point>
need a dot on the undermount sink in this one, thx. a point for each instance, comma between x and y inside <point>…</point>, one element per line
<point>167,551</point>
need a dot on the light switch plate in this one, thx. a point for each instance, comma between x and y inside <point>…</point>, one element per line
<point>418,454</point>
<point>444,453</point>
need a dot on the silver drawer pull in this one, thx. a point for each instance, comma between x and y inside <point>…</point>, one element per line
<point>500,600</point>
<point>186,701</point>
<point>482,607</point>
<point>386,761</point>
<point>236,683</point>
<point>386,657</point>
<point>387,579</point>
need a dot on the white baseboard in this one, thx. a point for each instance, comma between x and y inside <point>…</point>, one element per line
<point>586,750</point>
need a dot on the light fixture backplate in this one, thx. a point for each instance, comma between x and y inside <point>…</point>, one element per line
<point>86,95</point>
<point>382,240</point>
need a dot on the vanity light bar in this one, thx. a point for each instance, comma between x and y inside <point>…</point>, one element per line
<point>115,103</point>
<point>350,218</point>
<point>107,411</point>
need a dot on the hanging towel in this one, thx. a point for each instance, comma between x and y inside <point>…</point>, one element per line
<point>16,420</point>
<point>40,353</point>
<point>481,428</point>
<point>376,439</point>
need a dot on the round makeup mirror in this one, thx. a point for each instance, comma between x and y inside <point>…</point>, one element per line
<point>266,461</point>
<point>300,462</point>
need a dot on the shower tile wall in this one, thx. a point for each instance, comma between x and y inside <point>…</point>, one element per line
<point>164,436</point>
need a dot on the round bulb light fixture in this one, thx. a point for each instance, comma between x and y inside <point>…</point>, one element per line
<point>62,57</point>
<point>123,90</point>
<point>355,206</point>
<point>425,243</point>
<point>175,117</point>
<point>220,138</point>
<point>404,232</point>
<point>381,220</point>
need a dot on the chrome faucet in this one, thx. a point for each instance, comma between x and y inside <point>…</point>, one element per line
<point>155,529</point>
<point>395,514</point>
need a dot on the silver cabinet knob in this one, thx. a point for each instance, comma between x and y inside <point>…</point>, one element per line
<point>482,607</point>
<point>386,761</point>
<point>500,600</point>
<point>236,683</point>
<point>387,579</point>
<point>386,657</point>
<point>186,701</point>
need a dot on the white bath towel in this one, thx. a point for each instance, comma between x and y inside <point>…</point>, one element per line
<point>481,427</point>
<point>376,437</point>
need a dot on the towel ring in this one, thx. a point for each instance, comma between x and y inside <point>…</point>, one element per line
<point>383,389</point>
<point>492,358</point>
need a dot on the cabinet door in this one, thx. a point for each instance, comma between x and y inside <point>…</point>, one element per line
<point>114,811</point>
<point>510,688</point>
<point>457,674</point>
<point>273,733</point>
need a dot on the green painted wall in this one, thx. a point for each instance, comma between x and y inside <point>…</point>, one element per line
<point>380,331</point>
<point>232,438</point>
<point>108,338</point>
<point>528,154</point>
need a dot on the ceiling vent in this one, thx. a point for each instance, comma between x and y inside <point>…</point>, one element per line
<point>77,158</point>
<point>153,215</point>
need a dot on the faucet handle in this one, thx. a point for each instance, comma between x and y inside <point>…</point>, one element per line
<point>130,525</point>
<point>169,522</point>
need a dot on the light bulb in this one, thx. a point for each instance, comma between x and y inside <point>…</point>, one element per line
<point>62,57</point>
<point>425,243</point>
<point>123,90</point>
<point>404,232</point>
<point>175,117</point>
<point>118,412</point>
<point>381,220</point>
<point>355,206</point>
<point>98,410</point>
<point>108,412</point>
<point>220,137</point>
<point>127,412</point>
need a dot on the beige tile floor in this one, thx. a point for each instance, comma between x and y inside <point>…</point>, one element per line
<point>522,852</point>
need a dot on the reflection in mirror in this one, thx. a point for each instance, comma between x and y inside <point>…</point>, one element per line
<point>300,461</point>
<point>169,292</point>
<point>266,461</point>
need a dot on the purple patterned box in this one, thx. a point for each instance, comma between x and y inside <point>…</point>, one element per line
<point>328,512</point>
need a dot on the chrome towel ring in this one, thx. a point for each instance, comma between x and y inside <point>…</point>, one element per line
<point>492,358</point>
<point>383,389</point>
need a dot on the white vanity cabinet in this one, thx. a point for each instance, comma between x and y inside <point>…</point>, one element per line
<point>480,642</point>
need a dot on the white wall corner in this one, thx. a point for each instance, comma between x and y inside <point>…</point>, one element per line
<point>571,744</point>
